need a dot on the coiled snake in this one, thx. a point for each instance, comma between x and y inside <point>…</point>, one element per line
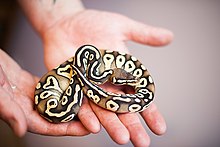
<point>59,93</point>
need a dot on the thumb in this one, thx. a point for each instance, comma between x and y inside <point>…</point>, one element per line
<point>10,111</point>
<point>12,114</point>
<point>148,35</point>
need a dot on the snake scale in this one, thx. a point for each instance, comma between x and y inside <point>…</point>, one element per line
<point>59,93</point>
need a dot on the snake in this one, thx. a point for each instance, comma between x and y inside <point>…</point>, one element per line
<point>59,93</point>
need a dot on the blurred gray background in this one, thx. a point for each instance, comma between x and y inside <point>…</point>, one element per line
<point>187,72</point>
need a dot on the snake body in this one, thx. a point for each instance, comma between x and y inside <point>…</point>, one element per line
<point>59,93</point>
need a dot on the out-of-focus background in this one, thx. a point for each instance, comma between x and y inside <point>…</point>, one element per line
<point>187,72</point>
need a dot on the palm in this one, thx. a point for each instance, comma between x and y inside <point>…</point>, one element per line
<point>20,99</point>
<point>82,28</point>
<point>109,31</point>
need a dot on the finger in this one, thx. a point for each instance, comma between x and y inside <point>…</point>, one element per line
<point>154,120</point>
<point>39,125</point>
<point>110,121</point>
<point>138,135</point>
<point>116,130</point>
<point>13,116</point>
<point>131,121</point>
<point>88,118</point>
<point>148,35</point>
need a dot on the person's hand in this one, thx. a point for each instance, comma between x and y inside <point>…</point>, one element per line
<point>17,104</point>
<point>108,31</point>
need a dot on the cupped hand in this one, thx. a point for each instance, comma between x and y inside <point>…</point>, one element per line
<point>108,31</point>
<point>17,104</point>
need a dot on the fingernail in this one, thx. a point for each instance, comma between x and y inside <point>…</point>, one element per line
<point>164,36</point>
<point>161,129</point>
<point>96,128</point>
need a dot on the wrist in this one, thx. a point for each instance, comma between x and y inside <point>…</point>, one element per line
<point>44,14</point>
<point>59,10</point>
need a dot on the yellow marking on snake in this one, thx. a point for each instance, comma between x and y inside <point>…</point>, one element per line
<point>54,105</point>
<point>59,93</point>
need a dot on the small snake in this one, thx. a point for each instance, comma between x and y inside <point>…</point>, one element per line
<point>59,93</point>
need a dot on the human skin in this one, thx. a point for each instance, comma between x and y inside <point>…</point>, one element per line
<point>64,26</point>
<point>17,101</point>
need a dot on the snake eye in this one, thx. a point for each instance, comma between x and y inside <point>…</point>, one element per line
<point>86,54</point>
<point>91,56</point>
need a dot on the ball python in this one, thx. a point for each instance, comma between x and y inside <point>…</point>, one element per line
<point>59,93</point>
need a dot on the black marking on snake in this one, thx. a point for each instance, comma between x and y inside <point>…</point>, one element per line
<point>50,83</point>
<point>46,93</point>
<point>89,66</point>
